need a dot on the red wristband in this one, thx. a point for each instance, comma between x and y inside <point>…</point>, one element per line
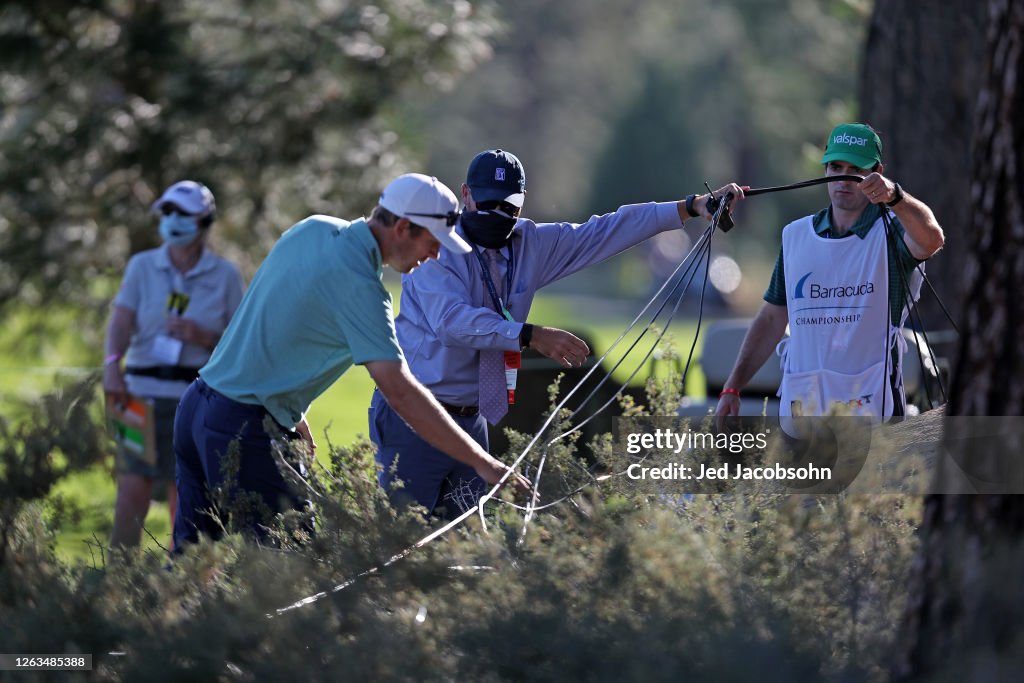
<point>730,390</point>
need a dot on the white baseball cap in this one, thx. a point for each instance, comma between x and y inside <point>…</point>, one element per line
<point>428,202</point>
<point>188,195</point>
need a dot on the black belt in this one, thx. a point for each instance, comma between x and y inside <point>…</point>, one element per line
<point>460,411</point>
<point>174,373</point>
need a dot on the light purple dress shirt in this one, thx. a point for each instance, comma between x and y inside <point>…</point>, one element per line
<point>446,315</point>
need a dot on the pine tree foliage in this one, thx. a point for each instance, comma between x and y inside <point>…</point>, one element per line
<point>282,109</point>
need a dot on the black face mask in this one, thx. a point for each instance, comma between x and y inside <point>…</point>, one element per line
<point>489,229</point>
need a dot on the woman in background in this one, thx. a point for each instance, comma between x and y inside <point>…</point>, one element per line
<point>173,305</point>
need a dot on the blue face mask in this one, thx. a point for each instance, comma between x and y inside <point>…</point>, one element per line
<point>178,230</point>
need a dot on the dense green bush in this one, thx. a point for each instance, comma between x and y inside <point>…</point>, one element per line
<point>608,585</point>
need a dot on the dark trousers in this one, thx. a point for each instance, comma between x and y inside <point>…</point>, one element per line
<point>206,425</point>
<point>429,476</point>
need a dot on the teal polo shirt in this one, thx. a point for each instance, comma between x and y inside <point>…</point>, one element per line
<point>316,307</point>
<point>900,258</point>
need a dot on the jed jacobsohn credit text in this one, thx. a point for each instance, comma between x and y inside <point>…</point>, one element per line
<point>671,440</point>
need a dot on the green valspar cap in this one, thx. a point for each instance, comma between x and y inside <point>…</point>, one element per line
<point>855,143</point>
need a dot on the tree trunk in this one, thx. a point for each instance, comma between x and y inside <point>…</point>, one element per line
<point>964,613</point>
<point>918,88</point>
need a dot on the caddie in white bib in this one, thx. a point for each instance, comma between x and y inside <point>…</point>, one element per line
<point>841,333</point>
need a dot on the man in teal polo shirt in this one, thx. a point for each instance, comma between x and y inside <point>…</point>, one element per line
<point>316,307</point>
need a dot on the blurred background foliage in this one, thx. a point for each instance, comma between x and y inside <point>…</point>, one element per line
<point>283,109</point>
<point>614,102</point>
<point>286,109</point>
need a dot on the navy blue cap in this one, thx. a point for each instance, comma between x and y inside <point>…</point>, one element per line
<point>496,174</point>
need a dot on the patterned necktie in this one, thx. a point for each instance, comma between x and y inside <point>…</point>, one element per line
<point>493,396</point>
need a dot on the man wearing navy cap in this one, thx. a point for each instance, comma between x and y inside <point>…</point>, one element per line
<point>463,318</point>
<point>844,287</point>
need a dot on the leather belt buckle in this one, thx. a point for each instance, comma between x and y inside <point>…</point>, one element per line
<point>460,411</point>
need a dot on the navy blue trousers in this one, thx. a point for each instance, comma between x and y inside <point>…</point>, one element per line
<point>206,424</point>
<point>429,476</point>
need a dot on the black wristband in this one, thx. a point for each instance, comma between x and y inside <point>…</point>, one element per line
<point>897,196</point>
<point>525,335</point>
<point>689,206</point>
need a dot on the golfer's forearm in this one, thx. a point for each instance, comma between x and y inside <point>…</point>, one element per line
<point>420,409</point>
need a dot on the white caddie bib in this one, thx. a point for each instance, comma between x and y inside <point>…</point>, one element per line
<point>837,294</point>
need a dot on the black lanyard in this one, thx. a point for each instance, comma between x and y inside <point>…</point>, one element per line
<point>495,299</point>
